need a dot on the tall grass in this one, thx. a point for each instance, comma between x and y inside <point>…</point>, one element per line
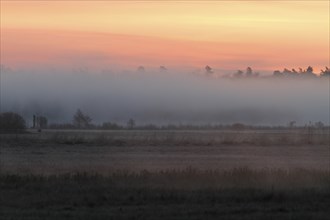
<point>239,193</point>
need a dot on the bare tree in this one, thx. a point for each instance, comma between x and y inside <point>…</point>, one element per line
<point>249,71</point>
<point>43,122</point>
<point>130,123</point>
<point>292,124</point>
<point>81,120</point>
<point>208,69</point>
<point>141,69</point>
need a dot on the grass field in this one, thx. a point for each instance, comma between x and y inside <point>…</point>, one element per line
<point>187,194</point>
<point>165,175</point>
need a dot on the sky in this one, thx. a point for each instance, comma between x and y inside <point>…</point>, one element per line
<point>228,35</point>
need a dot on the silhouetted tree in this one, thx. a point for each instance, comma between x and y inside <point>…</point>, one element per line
<point>325,72</point>
<point>208,69</point>
<point>80,120</point>
<point>309,72</point>
<point>141,69</point>
<point>286,71</point>
<point>162,69</point>
<point>43,122</point>
<point>130,123</point>
<point>309,69</point>
<point>238,74</point>
<point>248,72</point>
<point>10,121</point>
<point>304,73</point>
<point>277,73</point>
<point>319,125</point>
<point>291,124</point>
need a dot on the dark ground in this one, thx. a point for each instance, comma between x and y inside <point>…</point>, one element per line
<point>144,175</point>
<point>117,197</point>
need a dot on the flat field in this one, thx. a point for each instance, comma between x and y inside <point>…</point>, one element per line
<point>140,174</point>
<point>56,152</point>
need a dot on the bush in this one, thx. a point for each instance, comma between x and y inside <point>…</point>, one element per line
<point>10,121</point>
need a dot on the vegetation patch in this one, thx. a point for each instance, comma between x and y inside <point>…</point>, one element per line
<point>180,194</point>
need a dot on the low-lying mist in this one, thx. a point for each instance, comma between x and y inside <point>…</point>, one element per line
<point>164,97</point>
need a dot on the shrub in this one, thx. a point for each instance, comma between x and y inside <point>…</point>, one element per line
<point>10,121</point>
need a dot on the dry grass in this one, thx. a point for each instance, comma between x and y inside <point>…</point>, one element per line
<point>174,138</point>
<point>170,192</point>
<point>239,193</point>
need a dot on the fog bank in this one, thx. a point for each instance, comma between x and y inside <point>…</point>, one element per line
<point>164,97</point>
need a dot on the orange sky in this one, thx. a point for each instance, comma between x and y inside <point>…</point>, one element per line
<point>224,34</point>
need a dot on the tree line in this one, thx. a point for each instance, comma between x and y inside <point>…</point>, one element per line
<point>308,72</point>
<point>248,73</point>
<point>12,122</point>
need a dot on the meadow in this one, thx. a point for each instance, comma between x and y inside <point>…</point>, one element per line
<point>165,174</point>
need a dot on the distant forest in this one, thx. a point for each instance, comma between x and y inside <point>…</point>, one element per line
<point>209,71</point>
<point>308,72</point>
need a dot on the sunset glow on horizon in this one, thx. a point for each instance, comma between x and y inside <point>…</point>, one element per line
<point>224,34</point>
